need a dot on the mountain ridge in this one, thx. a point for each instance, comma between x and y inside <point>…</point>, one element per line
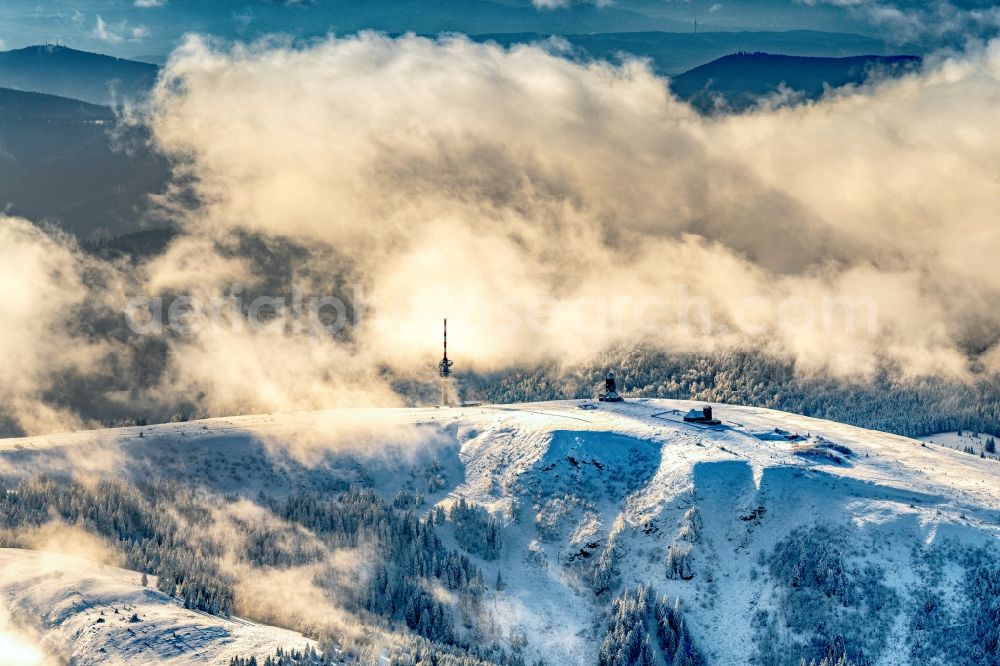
<point>673,53</point>
<point>738,81</point>
<point>62,71</point>
<point>590,500</point>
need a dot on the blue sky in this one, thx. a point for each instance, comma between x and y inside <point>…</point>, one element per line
<point>153,27</point>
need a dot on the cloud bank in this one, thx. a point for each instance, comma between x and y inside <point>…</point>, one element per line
<point>44,275</point>
<point>550,209</point>
<point>456,176</point>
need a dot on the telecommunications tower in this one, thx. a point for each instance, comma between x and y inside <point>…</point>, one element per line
<point>444,369</point>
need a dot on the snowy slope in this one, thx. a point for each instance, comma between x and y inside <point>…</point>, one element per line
<point>85,611</point>
<point>968,440</point>
<point>569,479</point>
<point>653,467</point>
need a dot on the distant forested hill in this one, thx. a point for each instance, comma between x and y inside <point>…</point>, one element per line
<point>91,77</point>
<point>60,161</point>
<point>737,82</point>
<point>672,53</point>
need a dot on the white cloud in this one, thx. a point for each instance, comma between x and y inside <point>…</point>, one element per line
<point>116,33</point>
<point>468,175</point>
<point>103,33</point>
<point>564,4</point>
<point>461,179</point>
<point>926,20</point>
<point>36,316</point>
<point>149,3</point>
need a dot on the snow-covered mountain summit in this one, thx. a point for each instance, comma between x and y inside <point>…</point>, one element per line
<point>765,539</point>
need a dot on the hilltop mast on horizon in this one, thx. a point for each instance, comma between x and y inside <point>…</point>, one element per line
<point>444,369</point>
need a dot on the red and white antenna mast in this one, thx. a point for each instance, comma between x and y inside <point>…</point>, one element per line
<point>444,369</point>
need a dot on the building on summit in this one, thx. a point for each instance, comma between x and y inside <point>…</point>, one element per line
<point>702,416</point>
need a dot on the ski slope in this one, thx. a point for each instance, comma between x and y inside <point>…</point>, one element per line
<point>567,478</point>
